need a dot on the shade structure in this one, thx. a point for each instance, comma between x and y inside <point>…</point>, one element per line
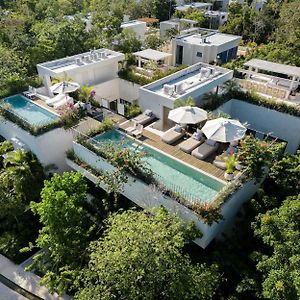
<point>224,130</point>
<point>64,87</point>
<point>187,115</point>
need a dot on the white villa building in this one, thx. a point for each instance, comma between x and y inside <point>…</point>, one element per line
<point>194,5</point>
<point>89,68</point>
<point>204,46</point>
<point>216,18</point>
<point>138,27</point>
<point>181,25</point>
<point>194,81</point>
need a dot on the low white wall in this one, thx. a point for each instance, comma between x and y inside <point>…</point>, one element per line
<point>117,88</point>
<point>260,118</point>
<point>49,147</point>
<point>148,196</point>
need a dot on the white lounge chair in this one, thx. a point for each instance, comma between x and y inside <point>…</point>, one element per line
<point>138,132</point>
<point>146,117</point>
<point>57,98</point>
<point>64,101</point>
<point>132,127</point>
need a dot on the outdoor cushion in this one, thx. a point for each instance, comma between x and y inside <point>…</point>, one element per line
<point>210,142</point>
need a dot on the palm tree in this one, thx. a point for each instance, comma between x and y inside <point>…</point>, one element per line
<point>25,173</point>
<point>184,102</point>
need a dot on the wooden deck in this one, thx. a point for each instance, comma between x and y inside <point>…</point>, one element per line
<point>155,141</point>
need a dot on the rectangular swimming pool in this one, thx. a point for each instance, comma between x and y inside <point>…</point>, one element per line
<point>29,111</point>
<point>179,177</point>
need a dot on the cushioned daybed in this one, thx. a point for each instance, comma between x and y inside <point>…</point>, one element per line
<point>173,135</point>
<point>205,150</point>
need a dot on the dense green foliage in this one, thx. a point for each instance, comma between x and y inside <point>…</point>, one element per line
<point>21,180</point>
<point>140,257</point>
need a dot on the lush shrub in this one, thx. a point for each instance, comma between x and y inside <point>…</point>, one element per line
<point>132,111</point>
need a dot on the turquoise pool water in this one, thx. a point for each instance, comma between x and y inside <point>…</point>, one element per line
<point>29,111</point>
<point>192,184</point>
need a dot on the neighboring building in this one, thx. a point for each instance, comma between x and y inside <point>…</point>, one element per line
<point>180,25</point>
<point>205,46</point>
<point>194,81</point>
<point>256,4</point>
<point>139,28</point>
<point>194,5</point>
<point>216,18</point>
<point>88,68</point>
<point>271,79</point>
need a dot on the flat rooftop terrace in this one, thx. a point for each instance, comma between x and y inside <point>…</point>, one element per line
<point>208,38</point>
<point>81,60</point>
<point>195,77</point>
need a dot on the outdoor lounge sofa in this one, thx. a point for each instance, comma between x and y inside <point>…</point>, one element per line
<point>173,134</point>
<point>206,149</point>
<point>146,117</point>
<point>55,99</point>
<point>191,143</point>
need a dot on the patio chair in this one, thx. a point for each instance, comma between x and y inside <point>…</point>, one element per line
<point>57,98</point>
<point>206,149</point>
<point>146,117</point>
<point>173,135</point>
<point>191,143</point>
<point>138,132</point>
<point>64,101</point>
<point>132,127</point>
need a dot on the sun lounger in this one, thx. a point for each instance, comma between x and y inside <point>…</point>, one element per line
<point>64,101</point>
<point>144,118</point>
<point>172,135</point>
<point>205,150</point>
<point>55,99</point>
<point>190,144</point>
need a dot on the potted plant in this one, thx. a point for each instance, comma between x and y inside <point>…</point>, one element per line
<point>230,167</point>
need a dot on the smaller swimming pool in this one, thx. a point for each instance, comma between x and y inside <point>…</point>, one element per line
<point>190,183</point>
<point>27,110</point>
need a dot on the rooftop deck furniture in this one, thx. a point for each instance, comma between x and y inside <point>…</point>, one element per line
<point>132,127</point>
<point>138,132</point>
<point>144,118</point>
<point>172,135</point>
<point>205,150</point>
<point>190,144</point>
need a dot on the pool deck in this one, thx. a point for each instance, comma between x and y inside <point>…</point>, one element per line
<point>154,140</point>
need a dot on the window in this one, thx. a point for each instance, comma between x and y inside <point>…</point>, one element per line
<point>199,54</point>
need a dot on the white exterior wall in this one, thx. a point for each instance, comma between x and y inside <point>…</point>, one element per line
<point>148,197</point>
<point>164,26</point>
<point>267,120</point>
<point>49,147</point>
<point>209,51</point>
<point>139,28</point>
<point>117,88</point>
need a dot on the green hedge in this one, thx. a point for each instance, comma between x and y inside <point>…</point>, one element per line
<point>253,98</point>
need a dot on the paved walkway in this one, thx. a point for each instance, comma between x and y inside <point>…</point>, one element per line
<point>26,280</point>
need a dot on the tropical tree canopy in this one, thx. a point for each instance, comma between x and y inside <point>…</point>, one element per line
<point>140,257</point>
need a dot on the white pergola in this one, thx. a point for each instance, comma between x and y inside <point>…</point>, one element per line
<point>150,54</point>
<point>258,64</point>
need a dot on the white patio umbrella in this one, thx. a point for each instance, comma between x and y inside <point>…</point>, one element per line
<point>64,87</point>
<point>187,115</point>
<point>224,130</point>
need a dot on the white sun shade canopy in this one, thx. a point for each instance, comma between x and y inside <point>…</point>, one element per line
<point>224,130</point>
<point>151,54</point>
<point>64,87</point>
<point>187,115</point>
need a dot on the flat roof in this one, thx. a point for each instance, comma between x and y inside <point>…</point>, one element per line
<point>196,5</point>
<point>177,21</point>
<point>208,37</point>
<point>152,54</point>
<point>273,67</point>
<point>81,60</point>
<point>132,23</point>
<point>192,78</point>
